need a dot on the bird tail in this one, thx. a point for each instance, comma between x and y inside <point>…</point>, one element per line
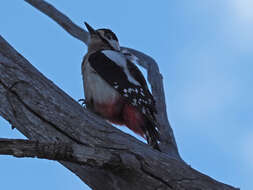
<point>152,134</point>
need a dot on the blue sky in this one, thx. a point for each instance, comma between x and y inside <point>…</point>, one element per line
<point>204,51</point>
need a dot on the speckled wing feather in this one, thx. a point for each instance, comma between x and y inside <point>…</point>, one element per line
<point>124,77</point>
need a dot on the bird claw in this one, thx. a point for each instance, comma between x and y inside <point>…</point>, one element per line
<point>83,102</point>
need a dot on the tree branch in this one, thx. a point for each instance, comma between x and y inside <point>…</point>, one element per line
<point>42,112</point>
<point>56,151</point>
<point>102,156</point>
<point>168,143</point>
<point>60,19</point>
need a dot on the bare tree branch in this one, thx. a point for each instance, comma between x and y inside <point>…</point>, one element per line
<point>42,112</point>
<point>102,156</point>
<point>168,143</point>
<point>61,19</point>
<point>70,152</point>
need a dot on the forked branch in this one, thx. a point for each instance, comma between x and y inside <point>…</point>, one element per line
<point>102,156</point>
<point>168,143</point>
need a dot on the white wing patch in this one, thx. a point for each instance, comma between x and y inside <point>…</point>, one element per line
<point>130,56</point>
<point>120,60</point>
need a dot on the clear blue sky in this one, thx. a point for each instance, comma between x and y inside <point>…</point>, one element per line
<point>204,51</point>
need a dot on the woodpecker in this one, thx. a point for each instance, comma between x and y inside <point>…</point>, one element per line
<point>115,88</point>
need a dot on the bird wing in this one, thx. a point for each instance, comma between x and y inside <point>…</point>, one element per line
<point>122,75</point>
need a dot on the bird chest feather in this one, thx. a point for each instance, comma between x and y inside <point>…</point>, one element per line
<point>96,88</point>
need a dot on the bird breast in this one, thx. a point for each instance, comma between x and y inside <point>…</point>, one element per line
<point>96,88</point>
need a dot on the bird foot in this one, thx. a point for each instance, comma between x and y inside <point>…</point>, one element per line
<point>83,102</point>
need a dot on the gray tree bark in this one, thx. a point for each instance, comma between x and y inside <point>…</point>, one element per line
<point>60,129</point>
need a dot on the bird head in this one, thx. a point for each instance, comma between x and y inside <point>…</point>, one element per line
<point>102,38</point>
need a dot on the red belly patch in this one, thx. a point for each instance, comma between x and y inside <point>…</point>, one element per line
<point>122,113</point>
<point>133,119</point>
<point>111,111</point>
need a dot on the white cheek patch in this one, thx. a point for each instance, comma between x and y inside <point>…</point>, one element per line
<point>114,44</point>
<point>120,60</point>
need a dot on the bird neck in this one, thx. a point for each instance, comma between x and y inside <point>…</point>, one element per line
<point>98,47</point>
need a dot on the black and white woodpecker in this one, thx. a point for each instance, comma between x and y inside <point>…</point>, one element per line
<point>115,88</point>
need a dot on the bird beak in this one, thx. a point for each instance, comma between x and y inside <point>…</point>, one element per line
<point>90,29</point>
